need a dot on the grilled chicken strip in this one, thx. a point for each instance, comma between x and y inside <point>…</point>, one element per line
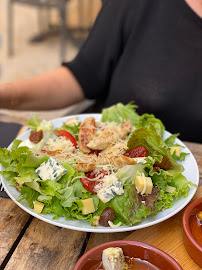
<point>117,161</point>
<point>119,148</point>
<point>85,167</point>
<point>113,258</point>
<point>86,133</point>
<point>125,128</point>
<point>109,136</point>
<point>104,140</point>
<point>91,164</point>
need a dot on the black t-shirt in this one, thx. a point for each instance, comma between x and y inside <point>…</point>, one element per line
<point>149,51</point>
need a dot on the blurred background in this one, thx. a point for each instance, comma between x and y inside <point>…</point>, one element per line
<point>35,37</point>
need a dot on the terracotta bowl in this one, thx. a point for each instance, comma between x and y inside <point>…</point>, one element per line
<point>91,259</point>
<point>192,247</point>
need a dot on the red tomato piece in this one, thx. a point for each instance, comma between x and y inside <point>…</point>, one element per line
<point>68,136</point>
<point>90,185</point>
<point>138,151</point>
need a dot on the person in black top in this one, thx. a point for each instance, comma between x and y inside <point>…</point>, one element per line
<point>149,51</point>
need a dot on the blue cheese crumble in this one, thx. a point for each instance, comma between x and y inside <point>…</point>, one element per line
<point>109,188</point>
<point>51,169</point>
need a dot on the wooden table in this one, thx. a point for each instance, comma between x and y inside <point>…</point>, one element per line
<point>29,243</point>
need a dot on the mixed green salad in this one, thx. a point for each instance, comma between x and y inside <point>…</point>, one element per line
<point>112,172</point>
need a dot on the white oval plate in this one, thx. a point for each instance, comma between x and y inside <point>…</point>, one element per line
<point>191,173</point>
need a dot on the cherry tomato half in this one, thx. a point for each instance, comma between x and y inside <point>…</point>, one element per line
<point>68,136</point>
<point>90,185</point>
<point>138,151</point>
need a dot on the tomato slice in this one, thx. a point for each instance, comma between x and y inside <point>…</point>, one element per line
<point>90,185</point>
<point>68,136</point>
<point>138,151</point>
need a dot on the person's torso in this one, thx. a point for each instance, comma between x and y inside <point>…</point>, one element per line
<point>161,65</point>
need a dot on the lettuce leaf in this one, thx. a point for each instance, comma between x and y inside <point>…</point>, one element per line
<point>119,113</point>
<point>128,206</point>
<point>49,187</point>
<point>73,129</point>
<point>127,174</point>
<point>145,119</point>
<point>181,157</point>
<point>164,179</point>
<point>45,126</point>
<point>149,139</point>
<point>28,194</point>
<point>54,207</point>
<point>170,141</point>
<point>5,157</point>
<point>34,122</point>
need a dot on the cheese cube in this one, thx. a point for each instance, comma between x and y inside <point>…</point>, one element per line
<point>88,206</point>
<point>176,149</point>
<point>149,186</point>
<point>51,169</point>
<point>144,184</point>
<point>38,207</point>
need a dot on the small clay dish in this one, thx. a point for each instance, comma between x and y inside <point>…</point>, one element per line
<point>158,258</point>
<point>193,248</point>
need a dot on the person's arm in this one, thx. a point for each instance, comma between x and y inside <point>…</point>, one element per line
<point>55,89</point>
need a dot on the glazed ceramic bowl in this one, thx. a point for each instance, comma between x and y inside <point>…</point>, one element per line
<point>91,259</point>
<point>192,247</point>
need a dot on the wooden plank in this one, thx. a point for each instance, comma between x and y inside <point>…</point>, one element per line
<point>12,221</point>
<point>48,247</point>
<point>99,238</point>
<point>168,236</point>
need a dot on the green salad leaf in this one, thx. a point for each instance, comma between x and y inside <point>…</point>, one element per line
<point>128,206</point>
<point>119,113</point>
<point>170,141</point>
<point>149,139</point>
<point>73,129</point>
<point>28,194</point>
<point>127,174</point>
<point>34,122</point>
